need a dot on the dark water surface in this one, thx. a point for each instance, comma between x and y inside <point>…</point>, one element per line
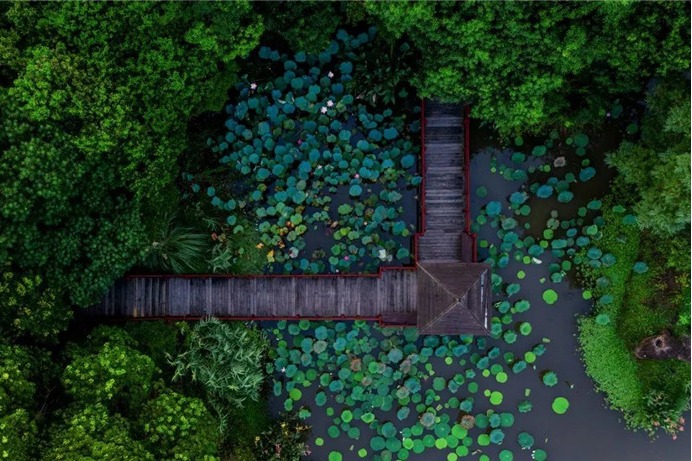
<point>589,431</point>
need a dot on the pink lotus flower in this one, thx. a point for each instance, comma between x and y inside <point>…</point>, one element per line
<point>330,103</point>
<point>253,86</point>
<point>345,258</point>
<point>330,74</point>
<point>356,176</point>
<point>323,110</point>
<point>299,142</point>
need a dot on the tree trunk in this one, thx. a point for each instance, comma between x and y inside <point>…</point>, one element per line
<point>664,346</point>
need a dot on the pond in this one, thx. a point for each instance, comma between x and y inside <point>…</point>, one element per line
<point>325,181</point>
<point>415,411</point>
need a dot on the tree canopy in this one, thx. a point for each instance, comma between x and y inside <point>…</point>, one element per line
<point>95,100</point>
<point>524,65</point>
<point>658,167</point>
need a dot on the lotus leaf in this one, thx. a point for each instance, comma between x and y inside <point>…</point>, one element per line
<point>539,151</point>
<point>549,378</point>
<point>640,267</point>
<point>525,440</point>
<point>544,191</point>
<point>560,405</point>
<point>493,208</point>
<point>550,296</point>
<point>497,436</point>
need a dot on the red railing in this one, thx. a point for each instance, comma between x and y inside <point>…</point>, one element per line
<point>467,185</point>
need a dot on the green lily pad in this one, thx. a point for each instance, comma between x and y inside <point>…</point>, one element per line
<point>496,397</point>
<point>550,296</point>
<point>525,440</point>
<point>640,267</point>
<point>549,378</point>
<point>539,455</point>
<point>560,405</point>
<point>377,443</point>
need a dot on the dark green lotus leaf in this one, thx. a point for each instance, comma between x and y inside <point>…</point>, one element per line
<point>493,208</point>
<point>640,267</point>
<point>539,151</point>
<point>539,455</point>
<point>544,191</point>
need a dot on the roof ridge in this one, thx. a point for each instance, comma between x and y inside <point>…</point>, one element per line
<point>439,283</point>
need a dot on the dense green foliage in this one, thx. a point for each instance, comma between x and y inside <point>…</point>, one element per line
<point>306,25</point>
<point>629,307</point>
<point>179,427</point>
<point>179,249</point>
<point>227,359</point>
<point>523,65</point>
<point>29,310</point>
<point>90,136</point>
<point>100,112</point>
<point>658,167</point>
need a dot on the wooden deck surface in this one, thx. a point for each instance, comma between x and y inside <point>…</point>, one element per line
<point>393,294</point>
<point>445,188</point>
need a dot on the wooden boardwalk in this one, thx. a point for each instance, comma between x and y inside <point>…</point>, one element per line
<point>392,297</point>
<point>445,186</point>
<point>392,294</point>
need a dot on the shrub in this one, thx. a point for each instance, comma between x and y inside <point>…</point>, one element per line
<point>20,369</point>
<point>178,427</point>
<point>29,309</point>
<point>92,433</point>
<point>645,391</point>
<point>19,432</point>
<point>227,359</point>
<point>90,136</point>
<point>658,167</point>
<point>547,79</point>
<point>117,376</point>
<point>178,249</point>
<point>156,339</point>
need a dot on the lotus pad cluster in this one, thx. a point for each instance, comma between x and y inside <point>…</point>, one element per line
<point>395,394</point>
<point>303,156</point>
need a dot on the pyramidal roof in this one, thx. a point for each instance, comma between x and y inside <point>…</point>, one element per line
<point>453,298</point>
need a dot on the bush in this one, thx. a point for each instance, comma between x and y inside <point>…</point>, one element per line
<point>117,376</point>
<point>29,309</point>
<point>18,441</point>
<point>658,167</point>
<point>156,339</point>
<point>92,433</point>
<point>606,49</point>
<point>179,250</point>
<point>22,371</point>
<point>179,427</point>
<point>227,359</point>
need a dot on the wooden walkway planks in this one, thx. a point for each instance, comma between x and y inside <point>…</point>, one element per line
<point>445,185</point>
<point>265,297</point>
